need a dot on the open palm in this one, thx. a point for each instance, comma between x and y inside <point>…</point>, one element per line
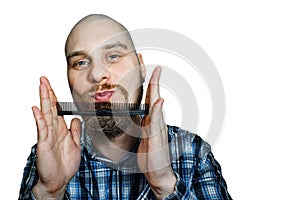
<point>58,149</point>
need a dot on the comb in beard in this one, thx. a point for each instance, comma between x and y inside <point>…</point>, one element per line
<point>101,109</point>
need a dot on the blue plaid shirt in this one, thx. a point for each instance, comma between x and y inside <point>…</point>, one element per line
<point>198,174</point>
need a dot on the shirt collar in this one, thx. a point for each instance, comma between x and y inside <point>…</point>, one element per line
<point>128,162</point>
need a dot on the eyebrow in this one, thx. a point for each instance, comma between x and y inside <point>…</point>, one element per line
<point>75,53</point>
<point>113,45</point>
<point>105,47</point>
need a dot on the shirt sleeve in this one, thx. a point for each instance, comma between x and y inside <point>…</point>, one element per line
<point>207,183</point>
<point>202,180</point>
<point>30,177</point>
<point>180,191</point>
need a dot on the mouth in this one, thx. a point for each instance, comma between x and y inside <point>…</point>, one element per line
<point>104,96</point>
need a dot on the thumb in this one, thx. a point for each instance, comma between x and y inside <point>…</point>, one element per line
<point>76,130</point>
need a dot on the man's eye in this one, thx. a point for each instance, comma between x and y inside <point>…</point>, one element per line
<point>113,57</point>
<point>81,63</point>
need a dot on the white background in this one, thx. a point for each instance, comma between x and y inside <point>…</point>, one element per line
<point>255,46</point>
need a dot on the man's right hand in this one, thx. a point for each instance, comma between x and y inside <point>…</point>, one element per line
<point>58,149</point>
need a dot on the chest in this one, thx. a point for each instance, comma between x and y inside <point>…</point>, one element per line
<point>107,183</point>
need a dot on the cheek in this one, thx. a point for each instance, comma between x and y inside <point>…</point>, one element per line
<point>130,80</point>
<point>71,78</point>
<point>77,82</point>
<point>127,72</point>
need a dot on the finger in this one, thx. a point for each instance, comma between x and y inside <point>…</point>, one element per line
<point>52,95</point>
<point>44,80</point>
<point>40,123</point>
<point>152,93</point>
<point>157,120</point>
<point>155,114</point>
<point>46,105</point>
<point>75,128</point>
<point>53,101</point>
<point>154,124</point>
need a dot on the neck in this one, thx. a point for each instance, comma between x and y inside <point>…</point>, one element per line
<point>115,148</point>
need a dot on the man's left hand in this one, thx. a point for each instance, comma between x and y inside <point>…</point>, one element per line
<point>153,153</point>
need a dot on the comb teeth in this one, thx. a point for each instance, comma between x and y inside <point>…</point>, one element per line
<point>101,109</point>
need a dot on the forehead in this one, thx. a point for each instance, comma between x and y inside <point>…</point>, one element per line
<point>91,35</point>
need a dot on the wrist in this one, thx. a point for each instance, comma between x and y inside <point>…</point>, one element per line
<point>164,186</point>
<point>41,191</point>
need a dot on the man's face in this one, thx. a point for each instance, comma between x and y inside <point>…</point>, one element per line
<point>102,66</point>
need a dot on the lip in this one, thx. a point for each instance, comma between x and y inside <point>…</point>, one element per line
<point>103,96</point>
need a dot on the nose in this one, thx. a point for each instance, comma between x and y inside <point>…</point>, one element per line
<point>99,74</point>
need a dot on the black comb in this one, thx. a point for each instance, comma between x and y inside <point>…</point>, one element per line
<point>101,109</point>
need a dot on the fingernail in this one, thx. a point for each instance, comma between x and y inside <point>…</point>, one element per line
<point>162,101</point>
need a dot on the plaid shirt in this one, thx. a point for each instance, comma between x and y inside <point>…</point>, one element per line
<point>198,174</point>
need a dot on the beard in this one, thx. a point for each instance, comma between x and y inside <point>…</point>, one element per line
<point>109,126</point>
<point>98,127</point>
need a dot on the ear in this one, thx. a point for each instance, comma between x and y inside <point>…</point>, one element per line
<point>142,66</point>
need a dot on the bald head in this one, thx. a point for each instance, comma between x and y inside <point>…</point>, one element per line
<point>97,28</point>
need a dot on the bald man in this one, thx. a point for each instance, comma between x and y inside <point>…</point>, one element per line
<point>114,157</point>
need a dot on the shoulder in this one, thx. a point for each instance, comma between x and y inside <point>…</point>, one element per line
<point>186,143</point>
